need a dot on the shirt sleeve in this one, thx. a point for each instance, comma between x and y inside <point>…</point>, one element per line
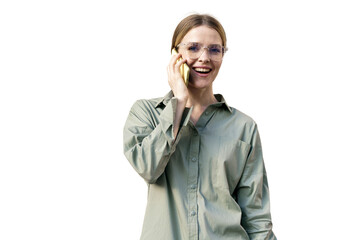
<point>147,144</point>
<point>253,194</point>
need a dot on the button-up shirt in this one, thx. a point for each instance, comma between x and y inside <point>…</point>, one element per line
<point>207,183</point>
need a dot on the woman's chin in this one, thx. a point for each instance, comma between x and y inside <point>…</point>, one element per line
<point>196,82</point>
<point>199,85</point>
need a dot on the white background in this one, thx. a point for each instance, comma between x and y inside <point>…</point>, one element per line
<point>70,71</point>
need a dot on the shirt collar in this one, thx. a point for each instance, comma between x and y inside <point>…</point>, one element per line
<point>164,100</point>
<point>221,101</point>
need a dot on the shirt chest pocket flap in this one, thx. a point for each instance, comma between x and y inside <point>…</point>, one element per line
<point>231,161</point>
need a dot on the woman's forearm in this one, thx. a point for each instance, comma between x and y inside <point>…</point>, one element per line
<point>181,103</point>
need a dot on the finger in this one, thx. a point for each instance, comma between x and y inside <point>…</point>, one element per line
<point>171,75</point>
<point>171,66</point>
<point>178,66</point>
<point>174,58</point>
<point>168,73</point>
<point>182,61</point>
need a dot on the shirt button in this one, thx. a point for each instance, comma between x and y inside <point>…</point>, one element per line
<point>207,113</point>
<point>193,186</point>
<point>193,159</point>
<point>193,213</point>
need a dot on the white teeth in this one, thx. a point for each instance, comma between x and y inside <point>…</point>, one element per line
<point>204,70</point>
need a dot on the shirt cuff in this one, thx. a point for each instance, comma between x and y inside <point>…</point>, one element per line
<point>167,118</point>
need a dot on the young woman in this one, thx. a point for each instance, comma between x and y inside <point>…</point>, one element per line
<point>201,158</point>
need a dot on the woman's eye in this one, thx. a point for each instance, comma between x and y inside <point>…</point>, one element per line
<point>194,48</point>
<point>215,50</point>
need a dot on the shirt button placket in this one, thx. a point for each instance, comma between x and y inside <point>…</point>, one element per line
<point>192,185</point>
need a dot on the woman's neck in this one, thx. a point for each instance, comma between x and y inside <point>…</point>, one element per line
<point>200,98</point>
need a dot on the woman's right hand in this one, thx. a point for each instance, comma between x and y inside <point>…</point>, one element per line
<point>175,79</point>
<point>179,89</point>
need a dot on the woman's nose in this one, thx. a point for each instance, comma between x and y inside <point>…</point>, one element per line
<point>204,56</point>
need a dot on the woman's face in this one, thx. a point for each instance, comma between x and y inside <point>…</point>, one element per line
<point>203,70</point>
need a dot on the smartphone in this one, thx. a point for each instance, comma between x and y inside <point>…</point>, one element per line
<point>184,68</point>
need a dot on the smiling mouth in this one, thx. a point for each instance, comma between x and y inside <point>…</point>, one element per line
<point>202,70</point>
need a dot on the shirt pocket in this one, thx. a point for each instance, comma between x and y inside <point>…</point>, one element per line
<point>230,162</point>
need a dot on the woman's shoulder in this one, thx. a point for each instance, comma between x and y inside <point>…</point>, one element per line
<point>152,102</point>
<point>240,116</point>
<point>242,121</point>
<point>242,125</point>
<point>144,103</point>
<point>232,112</point>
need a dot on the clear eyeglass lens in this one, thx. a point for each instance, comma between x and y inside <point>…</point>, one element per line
<point>195,50</point>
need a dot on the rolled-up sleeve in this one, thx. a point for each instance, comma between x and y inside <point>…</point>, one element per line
<point>147,142</point>
<point>253,193</point>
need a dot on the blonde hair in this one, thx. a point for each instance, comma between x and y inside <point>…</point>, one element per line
<point>196,20</point>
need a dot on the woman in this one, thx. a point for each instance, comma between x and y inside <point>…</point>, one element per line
<point>202,159</point>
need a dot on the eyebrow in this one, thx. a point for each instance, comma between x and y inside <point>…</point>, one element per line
<point>194,43</point>
<point>197,43</point>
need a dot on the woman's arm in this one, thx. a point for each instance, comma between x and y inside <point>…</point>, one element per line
<point>149,145</point>
<point>178,87</point>
<point>253,194</point>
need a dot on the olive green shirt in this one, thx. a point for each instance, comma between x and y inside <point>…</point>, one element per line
<point>208,183</point>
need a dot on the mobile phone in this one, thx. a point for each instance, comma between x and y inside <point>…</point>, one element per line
<point>184,68</point>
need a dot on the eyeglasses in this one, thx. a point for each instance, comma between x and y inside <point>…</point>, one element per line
<point>195,50</point>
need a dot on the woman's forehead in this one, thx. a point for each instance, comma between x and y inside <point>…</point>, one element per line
<point>203,34</point>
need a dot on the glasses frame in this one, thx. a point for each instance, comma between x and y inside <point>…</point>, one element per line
<point>223,48</point>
